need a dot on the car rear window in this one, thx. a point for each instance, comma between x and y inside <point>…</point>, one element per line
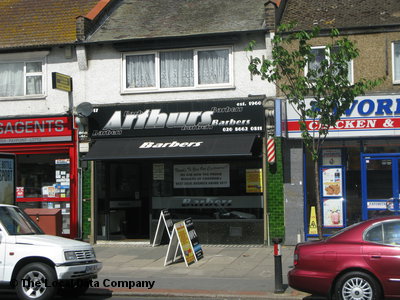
<point>387,233</point>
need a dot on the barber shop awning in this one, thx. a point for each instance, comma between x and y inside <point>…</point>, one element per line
<point>172,147</point>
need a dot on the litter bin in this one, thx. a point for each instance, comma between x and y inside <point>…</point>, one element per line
<point>48,219</point>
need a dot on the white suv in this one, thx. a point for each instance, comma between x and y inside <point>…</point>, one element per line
<point>39,265</point>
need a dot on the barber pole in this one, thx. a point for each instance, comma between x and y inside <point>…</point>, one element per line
<point>271,150</point>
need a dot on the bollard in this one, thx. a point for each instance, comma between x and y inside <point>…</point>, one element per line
<point>278,266</point>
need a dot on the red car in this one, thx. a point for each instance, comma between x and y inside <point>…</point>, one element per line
<point>360,262</point>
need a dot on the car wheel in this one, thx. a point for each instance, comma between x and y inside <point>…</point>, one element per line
<point>357,286</point>
<point>74,288</point>
<point>36,281</point>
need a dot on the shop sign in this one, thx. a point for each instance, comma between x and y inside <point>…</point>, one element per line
<point>201,176</point>
<point>194,239</point>
<point>35,130</point>
<point>196,202</point>
<point>367,116</point>
<point>7,179</point>
<point>380,205</point>
<point>184,243</point>
<point>61,82</point>
<point>164,223</point>
<point>245,115</point>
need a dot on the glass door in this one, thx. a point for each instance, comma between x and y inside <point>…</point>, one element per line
<point>380,185</point>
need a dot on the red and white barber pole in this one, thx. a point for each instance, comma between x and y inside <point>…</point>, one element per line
<point>271,155</point>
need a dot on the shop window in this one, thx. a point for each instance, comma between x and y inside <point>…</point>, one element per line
<point>337,155</point>
<point>396,62</point>
<point>320,54</point>
<point>183,69</point>
<point>43,181</point>
<point>208,190</point>
<point>22,75</point>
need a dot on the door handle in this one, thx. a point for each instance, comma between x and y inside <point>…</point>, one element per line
<point>376,256</point>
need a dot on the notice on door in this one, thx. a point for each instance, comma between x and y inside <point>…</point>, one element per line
<point>201,176</point>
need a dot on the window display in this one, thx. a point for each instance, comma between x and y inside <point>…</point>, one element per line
<point>208,190</point>
<point>43,181</point>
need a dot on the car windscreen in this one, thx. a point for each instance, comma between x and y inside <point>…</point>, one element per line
<point>17,222</point>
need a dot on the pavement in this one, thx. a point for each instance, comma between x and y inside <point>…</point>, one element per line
<point>226,271</point>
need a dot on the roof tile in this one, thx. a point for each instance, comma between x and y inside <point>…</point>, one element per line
<point>27,23</point>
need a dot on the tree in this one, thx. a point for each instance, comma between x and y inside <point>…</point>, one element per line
<point>293,70</point>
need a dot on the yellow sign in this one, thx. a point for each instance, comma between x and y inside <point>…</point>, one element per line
<point>62,82</point>
<point>186,246</point>
<point>254,181</point>
<point>312,228</point>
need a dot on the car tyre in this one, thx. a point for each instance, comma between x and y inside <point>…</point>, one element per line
<point>36,281</point>
<point>357,285</point>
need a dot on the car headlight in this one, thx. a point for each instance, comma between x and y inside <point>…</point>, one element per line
<point>70,255</point>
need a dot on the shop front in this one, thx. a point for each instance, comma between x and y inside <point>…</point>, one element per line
<point>198,159</point>
<point>46,165</point>
<point>358,167</point>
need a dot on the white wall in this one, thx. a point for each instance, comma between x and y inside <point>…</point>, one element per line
<point>54,102</point>
<point>103,78</point>
<point>101,82</point>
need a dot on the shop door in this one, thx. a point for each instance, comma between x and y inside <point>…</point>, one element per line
<point>380,185</point>
<point>122,201</point>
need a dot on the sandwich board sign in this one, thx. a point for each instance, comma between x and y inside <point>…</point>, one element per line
<point>164,222</point>
<point>7,178</point>
<point>194,240</point>
<point>181,244</point>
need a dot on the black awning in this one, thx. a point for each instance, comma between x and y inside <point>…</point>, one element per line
<point>172,147</point>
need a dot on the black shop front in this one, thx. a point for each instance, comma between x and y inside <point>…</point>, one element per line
<point>200,159</point>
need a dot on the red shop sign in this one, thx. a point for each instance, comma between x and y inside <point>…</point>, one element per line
<point>34,130</point>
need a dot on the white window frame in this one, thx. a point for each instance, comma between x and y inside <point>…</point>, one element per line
<point>28,57</point>
<point>196,86</point>
<point>393,64</point>
<point>351,65</point>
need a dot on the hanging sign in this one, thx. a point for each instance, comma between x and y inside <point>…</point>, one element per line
<point>164,222</point>
<point>61,82</point>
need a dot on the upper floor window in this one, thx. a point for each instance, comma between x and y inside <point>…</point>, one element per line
<point>177,69</point>
<point>320,55</point>
<point>396,61</point>
<point>22,74</point>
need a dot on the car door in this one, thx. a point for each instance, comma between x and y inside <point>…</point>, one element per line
<point>2,254</point>
<point>382,253</point>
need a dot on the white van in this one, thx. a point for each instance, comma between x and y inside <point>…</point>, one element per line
<point>38,265</point>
